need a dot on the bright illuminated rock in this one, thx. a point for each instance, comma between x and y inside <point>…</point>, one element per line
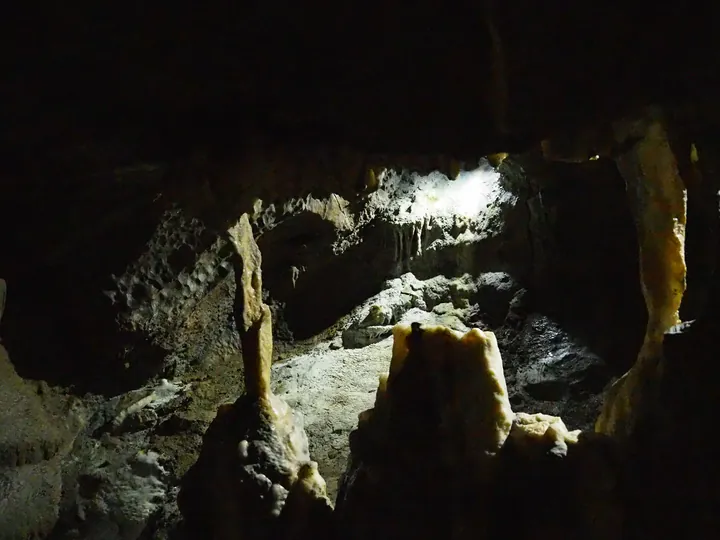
<point>252,316</point>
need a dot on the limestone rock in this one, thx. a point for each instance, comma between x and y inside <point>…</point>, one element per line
<point>455,302</point>
<point>111,491</point>
<point>252,317</point>
<point>551,370</point>
<point>29,433</point>
<point>250,295</point>
<point>119,477</point>
<point>33,442</point>
<point>442,454</point>
<point>255,458</point>
<point>362,337</point>
<point>657,194</point>
<point>136,410</point>
<point>659,203</point>
<point>329,388</point>
<point>29,499</point>
<point>256,454</point>
<point>178,292</point>
<point>3,297</point>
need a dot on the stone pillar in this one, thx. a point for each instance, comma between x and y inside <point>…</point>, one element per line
<point>252,316</point>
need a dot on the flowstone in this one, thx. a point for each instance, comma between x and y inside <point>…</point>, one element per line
<point>438,454</point>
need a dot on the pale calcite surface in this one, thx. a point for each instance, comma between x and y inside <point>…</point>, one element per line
<point>256,463</point>
<point>252,316</point>
<point>659,203</point>
<point>471,366</point>
<point>442,454</point>
<point>3,296</point>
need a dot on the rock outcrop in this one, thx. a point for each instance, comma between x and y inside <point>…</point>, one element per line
<point>254,478</point>
<point>32,443</point>
<point>441,453</point>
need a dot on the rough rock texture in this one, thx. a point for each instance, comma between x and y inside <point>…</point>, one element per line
<point>659,202</point>
<point>426,224</point>
<point>253,458</point>
<point>116,494</point>
<point>179,292</point>
<point>168,306</point>
<point>550,370</point>
<point>31,434</point>
<point>72,468</point>
<point>33,441</point>
<point>114,486</point>
<point>439,451</point>
<point>329,388</point>
<point>254,477</point>
<point>481,82</point>
<point>176,306</point>
<point>546,368</point>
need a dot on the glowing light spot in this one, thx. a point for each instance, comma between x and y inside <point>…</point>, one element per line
<point>466,196</point>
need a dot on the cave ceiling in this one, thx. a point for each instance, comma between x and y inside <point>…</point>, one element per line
<point>384,78</point>
<point>106,108</point>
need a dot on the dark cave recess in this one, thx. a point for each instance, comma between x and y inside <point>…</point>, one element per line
<point>383,77</point>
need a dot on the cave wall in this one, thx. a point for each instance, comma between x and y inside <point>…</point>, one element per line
<point>76,214</point>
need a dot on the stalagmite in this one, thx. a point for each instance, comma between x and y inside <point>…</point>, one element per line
<point>442,455</point>
<point>252,316</point>
<point>255,457</point>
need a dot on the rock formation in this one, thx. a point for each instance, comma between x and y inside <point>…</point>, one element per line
<point>658,199</point>
<point>442,455</point>
<point>33,442</point>
<point>254,478</point>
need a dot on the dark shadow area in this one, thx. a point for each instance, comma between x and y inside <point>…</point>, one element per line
<point>673,487</point>
<point>591,283</point>
<point>328,286</point>
<point>59,326</point>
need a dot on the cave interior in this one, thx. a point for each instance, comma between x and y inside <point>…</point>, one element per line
<point>360,271</point>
